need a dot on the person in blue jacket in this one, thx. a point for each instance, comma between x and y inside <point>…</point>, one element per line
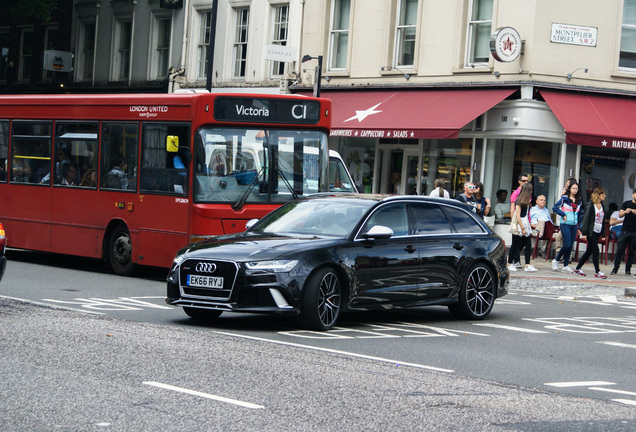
<point>568,208</point>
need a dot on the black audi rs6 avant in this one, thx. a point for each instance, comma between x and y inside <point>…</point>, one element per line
<point>317,257</point>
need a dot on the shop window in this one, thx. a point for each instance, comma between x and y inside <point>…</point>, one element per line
<point>537,159</point>
<point>610,169</point>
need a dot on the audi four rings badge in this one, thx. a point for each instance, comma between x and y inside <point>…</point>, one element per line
<point>206,268</point>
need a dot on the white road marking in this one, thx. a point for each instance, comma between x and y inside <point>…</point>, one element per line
<point>623,392</point>
<point>350,354</point>
<point>505,327</point>
<point>579,384</point>
<point>625,401</point>
<point>617,344</point>
<point>204,395</point>
<point>121,303</point>
<point>50,305</point>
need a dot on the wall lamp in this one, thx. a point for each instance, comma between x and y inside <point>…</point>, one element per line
<point>389,68</point>
<point>577,69</point>
<point>318,73</point>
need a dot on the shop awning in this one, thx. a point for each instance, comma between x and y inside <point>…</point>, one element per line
<point>595,120</point>
<point>437,114</point>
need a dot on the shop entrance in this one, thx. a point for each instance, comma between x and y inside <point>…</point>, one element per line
<point>414,168</point>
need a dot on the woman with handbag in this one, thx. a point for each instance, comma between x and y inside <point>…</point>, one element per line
<point>569,208</point>
<point>524,230</point>
<point>592,228</point>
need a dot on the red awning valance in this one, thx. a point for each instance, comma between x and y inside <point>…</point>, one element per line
<point>434,114</point>
<point>593,119</point>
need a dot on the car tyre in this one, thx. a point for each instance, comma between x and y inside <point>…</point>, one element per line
<point>120,252</point>
<point>476,295</point>
<point>321,302</point>
<point>202,314</point>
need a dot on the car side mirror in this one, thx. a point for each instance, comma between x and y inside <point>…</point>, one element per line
<point>378,232</point>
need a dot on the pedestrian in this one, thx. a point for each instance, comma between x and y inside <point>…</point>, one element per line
<point>522,209</point>
<point>568,207</point>
<point>592,230</point>
<point>539,216</point>
<point>483,203</point>
<point>467,197</point>
<point>501,208</point>
<point>522,179</point>
<point>439,190</point>
<point>628,235</point>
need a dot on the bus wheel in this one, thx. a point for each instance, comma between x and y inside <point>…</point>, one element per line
<point>120,252</point>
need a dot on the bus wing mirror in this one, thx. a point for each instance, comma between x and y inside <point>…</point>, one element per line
<point>172,144</point>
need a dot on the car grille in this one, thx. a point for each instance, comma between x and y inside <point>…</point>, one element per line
<point>226,269</point>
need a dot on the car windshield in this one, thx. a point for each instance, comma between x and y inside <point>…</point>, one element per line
<point>316,217</point>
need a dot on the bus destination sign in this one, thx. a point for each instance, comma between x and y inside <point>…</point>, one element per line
<point>261,110</point>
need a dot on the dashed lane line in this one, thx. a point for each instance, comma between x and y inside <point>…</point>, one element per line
<point>204,395</point>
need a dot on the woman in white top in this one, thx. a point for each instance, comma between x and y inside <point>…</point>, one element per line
<point>439,189</point>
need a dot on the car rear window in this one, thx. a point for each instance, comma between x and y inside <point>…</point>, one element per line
<point>429,219</point>
<point>462,221</point>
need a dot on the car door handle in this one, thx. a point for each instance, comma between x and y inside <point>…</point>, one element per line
<point>410,249</point>
<point>458,246</point>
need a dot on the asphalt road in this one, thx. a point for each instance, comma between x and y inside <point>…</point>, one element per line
<point>551,359</point>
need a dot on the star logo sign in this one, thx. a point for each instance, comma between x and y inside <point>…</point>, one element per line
<point>507,44</point>
<point>361,115</point>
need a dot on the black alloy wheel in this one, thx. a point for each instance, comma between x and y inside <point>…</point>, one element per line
<point>321,301</point>
<point>476,295</point>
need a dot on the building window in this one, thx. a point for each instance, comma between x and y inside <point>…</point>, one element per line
<point>240,42</point>
<point>4,55</point>
<point>86,50</point>
<point>122,43</point>
<point>51,37</point>
<point>204,43</point>
<point>26,54</point>
<point>161,42</point>
<point>281,29</point>
<point>479,29</point>
<point>339,34</point>
<point>405,33</point>
<point>627,57</point>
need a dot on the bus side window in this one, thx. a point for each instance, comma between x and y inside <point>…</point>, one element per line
<point>119,156</point>
<point>4,149</point>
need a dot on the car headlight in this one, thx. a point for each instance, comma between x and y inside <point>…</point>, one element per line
<point>276,266</point>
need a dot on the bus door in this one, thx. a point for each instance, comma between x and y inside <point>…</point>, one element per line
<point>163,205</point>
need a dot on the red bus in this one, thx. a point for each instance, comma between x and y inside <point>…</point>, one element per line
<point>133,178</point>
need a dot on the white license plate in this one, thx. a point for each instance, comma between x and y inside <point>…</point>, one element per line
<point>205,281</point>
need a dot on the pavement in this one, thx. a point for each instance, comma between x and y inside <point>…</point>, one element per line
<point>546,279</point>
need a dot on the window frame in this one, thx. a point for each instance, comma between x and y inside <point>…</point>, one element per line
<point>277,69</point>
<point>472,28</point>
<point>160,54</point>
<point>335,34</point>
<point>240,42</point>
<point>86,50</point>
<point>400,40</point>
<point>121,54</point>
<point>26,58</point>
<point>632,28</point>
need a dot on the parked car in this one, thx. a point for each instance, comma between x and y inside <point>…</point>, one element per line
<point>3,245</point>
<point>323,255</point>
